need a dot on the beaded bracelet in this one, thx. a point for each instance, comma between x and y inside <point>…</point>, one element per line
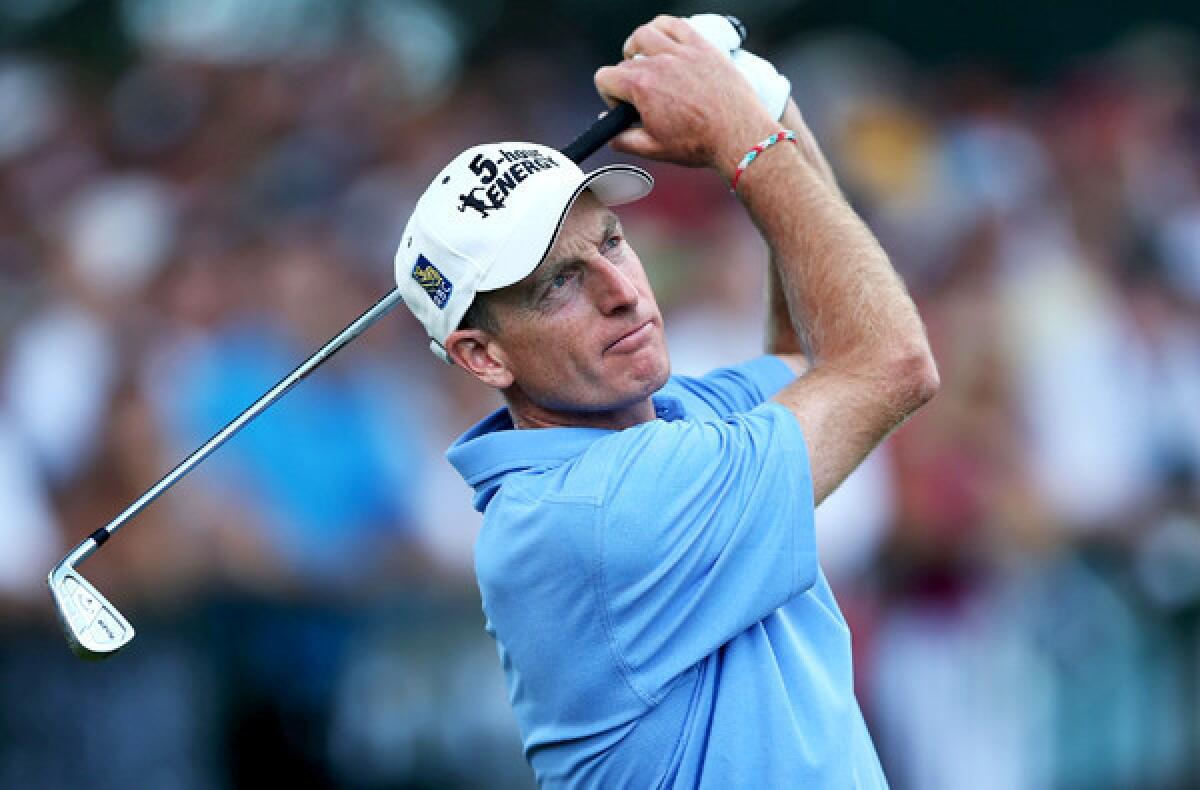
<point>752,154</point>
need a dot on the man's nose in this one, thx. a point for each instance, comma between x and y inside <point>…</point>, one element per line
<point>614,290</point>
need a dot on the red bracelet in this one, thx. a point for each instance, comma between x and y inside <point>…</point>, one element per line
<point>752,154</point>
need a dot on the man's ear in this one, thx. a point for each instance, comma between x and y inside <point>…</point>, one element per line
<point>477,352</point>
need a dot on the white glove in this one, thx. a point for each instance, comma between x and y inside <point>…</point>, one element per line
<point>717,30</point>
<point>772,87</point>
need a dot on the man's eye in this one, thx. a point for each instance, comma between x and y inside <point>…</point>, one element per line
<point>558,283</point>
<point>611,243</point>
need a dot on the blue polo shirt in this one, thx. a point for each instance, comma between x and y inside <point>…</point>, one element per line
<point>655,596</point>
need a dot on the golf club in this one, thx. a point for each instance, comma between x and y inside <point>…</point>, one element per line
<point>94,628</point>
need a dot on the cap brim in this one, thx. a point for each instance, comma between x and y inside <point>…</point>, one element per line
<point>613,185</point>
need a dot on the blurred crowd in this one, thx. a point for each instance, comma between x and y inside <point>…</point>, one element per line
<point>1020,562</point>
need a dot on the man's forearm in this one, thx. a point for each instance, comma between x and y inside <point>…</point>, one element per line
<point>847,302</point>
<point>850,312</point>
<point>781,336</point>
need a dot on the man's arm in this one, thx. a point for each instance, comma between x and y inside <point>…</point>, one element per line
<point>871,363</point>
<point>781,338</point>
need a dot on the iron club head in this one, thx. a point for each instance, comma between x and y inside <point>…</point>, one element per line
<point>95,629</point>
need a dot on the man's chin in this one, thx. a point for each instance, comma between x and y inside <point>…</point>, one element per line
<point>657,372</point>
<point>644,372</point>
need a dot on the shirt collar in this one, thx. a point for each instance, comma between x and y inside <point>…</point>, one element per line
<point>492,448</point>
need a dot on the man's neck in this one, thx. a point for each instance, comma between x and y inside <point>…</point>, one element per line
<point>527,415</point>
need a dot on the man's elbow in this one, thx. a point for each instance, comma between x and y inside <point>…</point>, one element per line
<point>913,376</point>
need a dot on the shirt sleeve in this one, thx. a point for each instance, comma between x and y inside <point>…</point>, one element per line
<point>706,528</point>
<point>739,388</point>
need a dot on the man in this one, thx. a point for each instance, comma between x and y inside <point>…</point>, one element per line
<point>647,560</point>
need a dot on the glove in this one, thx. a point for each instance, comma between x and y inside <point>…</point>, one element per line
<point>717,30</point>
<point>772,87</point>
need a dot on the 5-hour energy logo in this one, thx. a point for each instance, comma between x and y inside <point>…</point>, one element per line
<point>497,180</point>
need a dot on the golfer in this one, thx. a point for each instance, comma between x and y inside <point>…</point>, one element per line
<point>647,560</point>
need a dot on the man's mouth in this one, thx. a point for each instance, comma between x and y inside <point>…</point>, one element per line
<point>632,340</point>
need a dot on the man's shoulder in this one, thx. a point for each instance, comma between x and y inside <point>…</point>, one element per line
<point>734,388</point>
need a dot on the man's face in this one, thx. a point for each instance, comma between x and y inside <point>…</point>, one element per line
<point>582,335</point>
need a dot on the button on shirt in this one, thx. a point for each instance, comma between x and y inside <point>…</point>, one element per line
<point>655,596</point>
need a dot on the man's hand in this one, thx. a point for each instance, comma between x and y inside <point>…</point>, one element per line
<point>696,108</point>
<point>772,88</point>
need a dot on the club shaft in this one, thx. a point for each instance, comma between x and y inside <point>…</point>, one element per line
<point>343,338</point>
<point>600,132</point>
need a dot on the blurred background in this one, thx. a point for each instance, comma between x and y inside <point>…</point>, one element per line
<point>196,194</point>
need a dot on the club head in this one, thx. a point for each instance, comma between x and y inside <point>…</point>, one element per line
<point>95,629</point>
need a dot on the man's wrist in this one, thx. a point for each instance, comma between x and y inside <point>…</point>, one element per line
<point>753,129</point>
<point>752,155</point>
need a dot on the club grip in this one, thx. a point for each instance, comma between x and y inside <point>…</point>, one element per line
<point>606,127</point>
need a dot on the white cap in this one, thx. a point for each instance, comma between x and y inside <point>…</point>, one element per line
<point>487,221</point>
